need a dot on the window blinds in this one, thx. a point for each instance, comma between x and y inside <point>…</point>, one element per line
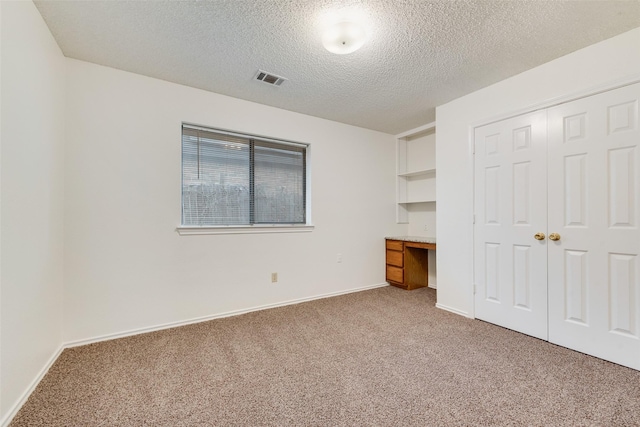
<point>230,179</point>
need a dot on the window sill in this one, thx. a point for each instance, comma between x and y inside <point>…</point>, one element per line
<point>246,229</point>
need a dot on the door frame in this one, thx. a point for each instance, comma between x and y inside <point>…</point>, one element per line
<point>552,102</point>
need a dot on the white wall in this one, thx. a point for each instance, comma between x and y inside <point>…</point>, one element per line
<point>126,268</point>
<point>31,179</point>
<point>584,69</point>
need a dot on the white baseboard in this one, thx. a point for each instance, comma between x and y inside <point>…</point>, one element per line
<point>25,395</point>
<point>453,310</point>
<point>16,407</point>
<point>214,316</point>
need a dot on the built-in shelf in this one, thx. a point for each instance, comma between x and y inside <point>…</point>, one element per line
<point>416,186</point>
<point>415,172</point>
<point>411,202</point>
<point>418,173</point>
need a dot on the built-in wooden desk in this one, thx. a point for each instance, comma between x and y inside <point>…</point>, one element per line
<point>407,261</point>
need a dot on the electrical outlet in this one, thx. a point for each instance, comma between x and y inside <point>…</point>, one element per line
<point>274,277</point>
<point>426,228</point>
<point>339,258</point>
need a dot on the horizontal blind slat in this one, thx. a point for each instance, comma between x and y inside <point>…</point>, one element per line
<point>215,180</point>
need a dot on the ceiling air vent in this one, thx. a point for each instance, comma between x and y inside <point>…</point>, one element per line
<point>269,78</point>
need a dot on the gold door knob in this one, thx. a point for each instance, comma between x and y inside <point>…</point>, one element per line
<point>554,236</point>
<point>539,236</point>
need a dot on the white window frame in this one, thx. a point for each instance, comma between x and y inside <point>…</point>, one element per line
<point>256,228</point>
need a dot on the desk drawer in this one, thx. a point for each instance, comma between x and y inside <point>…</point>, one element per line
<point>394,245</point>
<point>395,258</point>
<point>395,274</point>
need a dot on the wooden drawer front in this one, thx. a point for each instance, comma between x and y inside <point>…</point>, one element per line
<point>395,258</point>
<point>394,245</point>
<point>420,245</point>
<point>395,274</point>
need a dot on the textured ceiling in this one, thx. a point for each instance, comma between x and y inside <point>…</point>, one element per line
<point>419,54</point>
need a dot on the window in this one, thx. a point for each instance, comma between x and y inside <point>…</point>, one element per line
<point>231,179</point>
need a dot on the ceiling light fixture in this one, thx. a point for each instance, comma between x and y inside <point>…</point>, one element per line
<point>344,37</point>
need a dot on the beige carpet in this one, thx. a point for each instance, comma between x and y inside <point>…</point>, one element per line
<point>384,357</point>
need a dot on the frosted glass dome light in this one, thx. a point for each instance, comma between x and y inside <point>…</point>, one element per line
<point>343,38</point>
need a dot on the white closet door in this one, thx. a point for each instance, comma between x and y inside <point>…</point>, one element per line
<point>594,193</point>
<point>511,207</point>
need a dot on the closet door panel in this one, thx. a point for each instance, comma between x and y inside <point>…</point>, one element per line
<point>510,207</point>
<point>593,185</point>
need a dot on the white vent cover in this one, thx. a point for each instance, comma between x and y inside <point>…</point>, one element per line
<point>269,78</point>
